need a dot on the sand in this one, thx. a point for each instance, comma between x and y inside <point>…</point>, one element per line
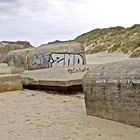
<point>40,115</point>
<point>102,58</point>
<point>45,115</point>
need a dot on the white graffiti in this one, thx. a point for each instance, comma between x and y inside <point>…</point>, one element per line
<point>57,59</point>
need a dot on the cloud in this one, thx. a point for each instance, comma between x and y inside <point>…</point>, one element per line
<point>7,1</point>
<point>40,21</point>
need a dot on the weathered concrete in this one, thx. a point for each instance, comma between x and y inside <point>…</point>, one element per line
<point>112,91</point>
<point>19,58</point>
<point>15,70</point>
<point>46,56</point>
<point>10,82</point>
<point>61,79</point>
<point>6,46</point>
<point>4,69</point>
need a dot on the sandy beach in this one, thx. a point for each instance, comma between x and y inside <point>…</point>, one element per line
<point>48,115</point>
<point>40,115</point>
<point>104,57</point>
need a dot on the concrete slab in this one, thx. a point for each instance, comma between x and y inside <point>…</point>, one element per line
<point>61,78</point>
<point>4,68</point>
<point>112,91</point>
<point>10,82</point>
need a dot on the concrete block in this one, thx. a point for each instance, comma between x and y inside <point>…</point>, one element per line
<point>7,46</point>
<point>48,56</point>
<point>112,91</point>
<point>10,82</point>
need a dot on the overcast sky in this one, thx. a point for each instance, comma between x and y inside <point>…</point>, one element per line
<point>40,21</point>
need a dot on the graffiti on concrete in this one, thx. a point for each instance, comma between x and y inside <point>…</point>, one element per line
<point>75,70</point>
<point>57,59</point>
<point>41,59</point>
<point>16,58</point>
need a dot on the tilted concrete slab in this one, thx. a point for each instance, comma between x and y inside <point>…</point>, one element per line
<point>10,82</point>
<point>61,79</point>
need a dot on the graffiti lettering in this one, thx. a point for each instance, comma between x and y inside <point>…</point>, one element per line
<point>75,70</point>
<point>57,59</point>
<point>41,59</point>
